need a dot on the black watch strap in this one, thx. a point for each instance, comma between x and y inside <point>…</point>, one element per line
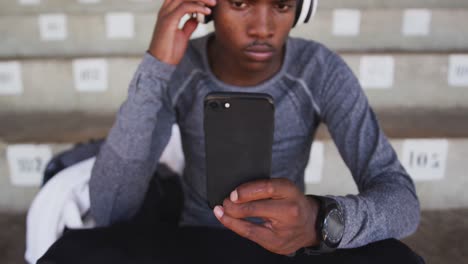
<point>325,205</point>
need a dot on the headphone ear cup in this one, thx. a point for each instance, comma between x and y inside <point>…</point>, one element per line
<point>299,6</point>
<point>208,19</point>
<point>305,11</point>
<point>312,11</point>
<point>201,18</point>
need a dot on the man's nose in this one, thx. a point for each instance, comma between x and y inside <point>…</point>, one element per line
<point>261,24</point>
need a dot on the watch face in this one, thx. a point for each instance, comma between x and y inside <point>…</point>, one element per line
<point>333,227</point>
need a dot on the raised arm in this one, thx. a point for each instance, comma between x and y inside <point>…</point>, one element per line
<point>143,125</point>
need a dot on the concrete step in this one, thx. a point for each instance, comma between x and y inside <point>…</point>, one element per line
<point>14,7</point>
<point>73,35</point>
<point>374,30</point>
<point>393,4</point>
<point>438,166</point>
<point>99,85</point>
<point>76,6</point>
<point>18,197</point>
<point>356,30</point>
<point>447,245</point>
<point>443,187</point>
<point>45,127</point>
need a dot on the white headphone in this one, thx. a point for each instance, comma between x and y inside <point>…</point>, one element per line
<point>305,11</point>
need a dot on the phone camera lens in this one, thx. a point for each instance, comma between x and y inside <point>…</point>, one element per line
<point>214,105</point>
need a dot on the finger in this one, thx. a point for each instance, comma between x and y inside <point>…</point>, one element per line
<point>169,6</point>
<point>172,20</point>
<point>189,8</point>
<point>189,27</point>
<point>166,3</point>
<point>256,233</point>
<point>174,4</point>
<point>264,189</point>
<point>271,210</point>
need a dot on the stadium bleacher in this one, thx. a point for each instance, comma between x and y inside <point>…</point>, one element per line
<point>65,68</point>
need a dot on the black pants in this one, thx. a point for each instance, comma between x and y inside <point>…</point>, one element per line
<point>153,237</point>
<point>126,243</point>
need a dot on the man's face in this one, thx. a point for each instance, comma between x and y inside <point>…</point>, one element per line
<point>253,32</point>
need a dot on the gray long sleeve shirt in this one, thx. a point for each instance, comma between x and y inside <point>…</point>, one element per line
<point>314,85</point>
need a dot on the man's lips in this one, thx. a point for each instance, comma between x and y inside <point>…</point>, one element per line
<point>259,52</point>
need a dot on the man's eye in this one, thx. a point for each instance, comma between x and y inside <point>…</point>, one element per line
<point>283,7</point>
<point>239,4</point>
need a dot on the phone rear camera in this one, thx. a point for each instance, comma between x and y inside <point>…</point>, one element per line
<point>214,105</point>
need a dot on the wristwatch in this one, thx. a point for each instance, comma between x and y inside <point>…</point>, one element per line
<point>329,225</point>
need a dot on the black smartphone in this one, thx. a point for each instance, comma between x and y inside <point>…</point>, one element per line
<point>238,141</point>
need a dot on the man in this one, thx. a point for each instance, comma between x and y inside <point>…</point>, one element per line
<point>251,51</point>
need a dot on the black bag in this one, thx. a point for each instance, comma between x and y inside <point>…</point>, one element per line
<point>78,153</point>
<point>163,200</point>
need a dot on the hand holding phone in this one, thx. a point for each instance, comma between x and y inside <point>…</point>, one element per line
<point>289,217</point>
<point>169,42</point>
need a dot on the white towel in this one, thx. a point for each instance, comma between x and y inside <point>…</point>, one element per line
<point>61,203</point>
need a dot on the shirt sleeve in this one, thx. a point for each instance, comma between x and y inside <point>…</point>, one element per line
<point>387,205</point>
<point>128,158</point>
